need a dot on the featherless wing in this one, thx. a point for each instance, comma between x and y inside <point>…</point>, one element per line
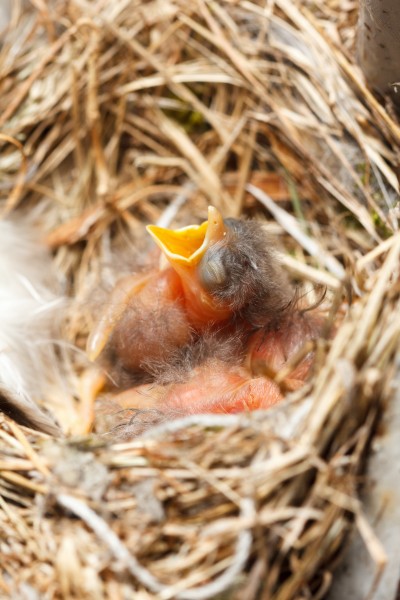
<point>121,296</point>
<point>270,351</point>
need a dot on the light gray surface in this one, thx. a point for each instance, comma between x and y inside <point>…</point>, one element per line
<point>5,12</point>
<point>379,44</point>
<point>354,579</point>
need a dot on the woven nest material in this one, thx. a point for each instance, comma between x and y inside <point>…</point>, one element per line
<point>118,113</point>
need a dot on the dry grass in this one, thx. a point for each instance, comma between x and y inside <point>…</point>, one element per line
<point>124,112</point>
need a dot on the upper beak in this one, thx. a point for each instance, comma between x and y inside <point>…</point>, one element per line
<point>186,246</point>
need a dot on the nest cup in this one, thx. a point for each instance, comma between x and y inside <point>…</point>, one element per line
<point>118,114</point>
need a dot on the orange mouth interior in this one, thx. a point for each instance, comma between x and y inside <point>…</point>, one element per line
<point>186,246</point>
<point>181,244</point>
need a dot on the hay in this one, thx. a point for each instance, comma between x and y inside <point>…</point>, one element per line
<point>124,112</point>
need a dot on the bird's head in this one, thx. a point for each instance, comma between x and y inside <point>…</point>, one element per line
<point>226,267</point>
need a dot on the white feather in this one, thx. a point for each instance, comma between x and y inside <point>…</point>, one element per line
<point>31,307</point>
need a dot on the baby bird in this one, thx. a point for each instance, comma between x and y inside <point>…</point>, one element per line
<point>210,329</point>
<point>221,274</point>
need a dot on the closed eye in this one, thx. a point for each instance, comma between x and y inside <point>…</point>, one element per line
<point>212,273</point>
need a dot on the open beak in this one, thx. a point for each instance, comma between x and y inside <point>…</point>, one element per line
<point>184,248</point>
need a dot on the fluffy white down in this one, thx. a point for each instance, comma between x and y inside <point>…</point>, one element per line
<point>30,309</point>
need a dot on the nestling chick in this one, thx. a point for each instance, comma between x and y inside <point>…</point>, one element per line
<point>222,275</point>
<point>223,280</point>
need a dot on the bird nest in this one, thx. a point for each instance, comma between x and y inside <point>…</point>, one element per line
<point>115,114</point>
